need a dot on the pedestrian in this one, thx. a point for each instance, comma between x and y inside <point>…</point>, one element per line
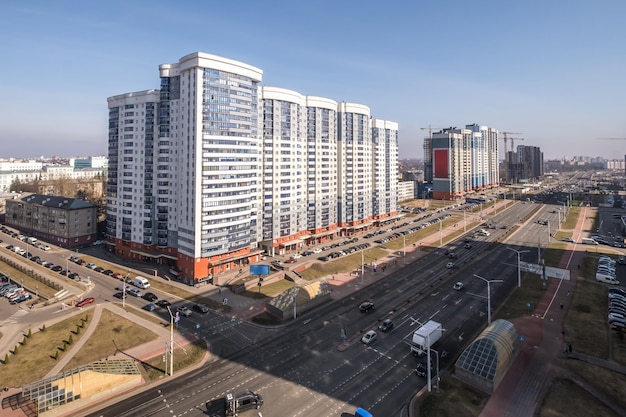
<point>561,306</point>
<point>578,266</point>
<point>568,293</point>
<point>219,290</point>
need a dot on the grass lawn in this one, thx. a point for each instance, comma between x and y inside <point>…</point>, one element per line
<point>343,264</point>
<point>531,292</point>
<point>566,399</point>
<point>112,332</point>
<point>35,358</point>
<point>454,399</point>
<point>183,357</point>
<point>586,319</point>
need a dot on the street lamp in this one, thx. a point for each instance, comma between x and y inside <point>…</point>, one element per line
<point>171,340</point>
<point>488,295</point>
<point>519,273</point>
<point>404,248</point>
<point>362,266</point>
<point>441,233</point>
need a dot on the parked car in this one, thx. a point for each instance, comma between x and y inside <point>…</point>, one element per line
<point>458,286</point>
<point>20,298</point>
<point>150,296</point>
<point>450,265</point>
<point>135,292</point>
<point>99,269</point>
<point>91,265</point>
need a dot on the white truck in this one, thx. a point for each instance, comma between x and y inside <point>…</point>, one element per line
<point>426,336</point>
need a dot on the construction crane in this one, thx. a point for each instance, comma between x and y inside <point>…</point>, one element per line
<point>513,143</point>
<point>430,130</point>
<point>504,139</point>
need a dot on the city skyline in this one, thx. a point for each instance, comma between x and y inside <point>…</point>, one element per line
<point>551,73</point>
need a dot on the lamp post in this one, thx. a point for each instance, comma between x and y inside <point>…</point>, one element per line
<point>362,266</point>
<point>404,247</point>
<point>519,273</point>
<point>464,221</point>
<point>171,340</point>
<point>441,233</point>
<point>488,295</point>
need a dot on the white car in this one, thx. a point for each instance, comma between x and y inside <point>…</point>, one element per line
<point>458,286</point>
<point>369,337</point>
<point>317,250</point>
<point>45,247</point>
<point>450,265</point>
<point>296,256</point>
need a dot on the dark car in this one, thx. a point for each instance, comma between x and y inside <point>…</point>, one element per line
<point>201,308</point>
<point>57,268</point>
<point>35,258</point>
<point>99,269</point>
<point>422,369</point>
<point>107,272</point>
<point>242,401</point>
<point>386,325</point>
<point>163,303</point>
<point>149,307</point>
<point>119,295</point>
<point>150,297</point>
<point>366,306</point>
<point>73,275</point>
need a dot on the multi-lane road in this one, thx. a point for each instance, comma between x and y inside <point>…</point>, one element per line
<point>304,369</point>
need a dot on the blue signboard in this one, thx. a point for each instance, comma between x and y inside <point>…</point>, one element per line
<point>259,269</point>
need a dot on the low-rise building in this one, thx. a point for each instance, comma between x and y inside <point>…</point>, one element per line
<point>66,222</point>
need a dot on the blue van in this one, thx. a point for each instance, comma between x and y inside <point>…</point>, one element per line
<point>362,413</point>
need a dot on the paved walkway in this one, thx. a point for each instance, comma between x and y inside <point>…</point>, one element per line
<point>526,382</point>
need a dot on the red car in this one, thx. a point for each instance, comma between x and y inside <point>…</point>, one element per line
<point>85,302</point>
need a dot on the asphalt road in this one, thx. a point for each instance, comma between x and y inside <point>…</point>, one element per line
<point>300,369</point>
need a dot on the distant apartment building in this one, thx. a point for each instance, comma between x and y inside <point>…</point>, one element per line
<point>406,190</point>
<point>615,165</point>
<point>32,171</point>
<point>66,222</point>
<point>213,169</point>
<point>525,164</point>
<point>464,160</point>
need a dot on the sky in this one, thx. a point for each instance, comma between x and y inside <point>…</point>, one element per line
<point>553,72</point>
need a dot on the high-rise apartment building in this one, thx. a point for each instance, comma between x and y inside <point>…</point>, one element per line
<point>214,169</point>
<point>525,164</point>
<point>463,160</point>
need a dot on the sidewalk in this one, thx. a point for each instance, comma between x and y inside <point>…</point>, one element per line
<point>525,383</point>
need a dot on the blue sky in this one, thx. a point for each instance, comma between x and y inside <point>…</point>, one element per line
<point>554,71</point>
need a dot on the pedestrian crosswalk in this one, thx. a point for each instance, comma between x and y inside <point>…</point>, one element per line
<point>15,316</point>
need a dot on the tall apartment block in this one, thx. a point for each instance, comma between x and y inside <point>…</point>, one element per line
<point>213,169</point>
<point>526,163</point>
<point>463,160</point>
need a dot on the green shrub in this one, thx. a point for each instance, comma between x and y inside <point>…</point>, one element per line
<point>30,333</point>
<point>70,340</point>
<point>6,359</point>
<point>43,328</point>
